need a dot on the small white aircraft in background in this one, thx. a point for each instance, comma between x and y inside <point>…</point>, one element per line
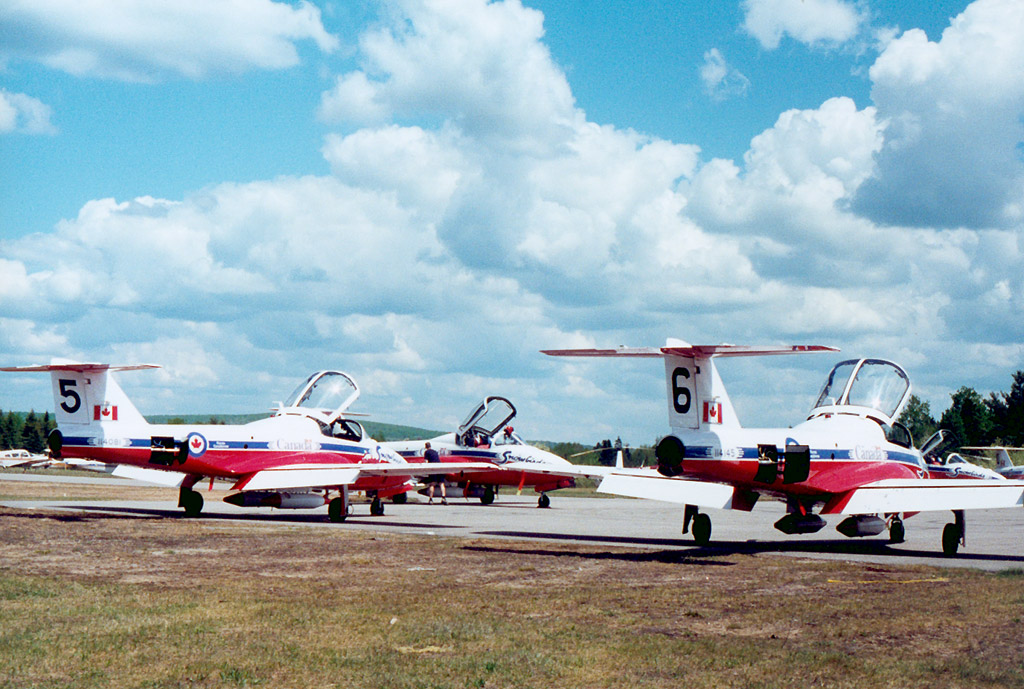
<point>308,454</point>
<point>850,457</point>
<point>1004,465</point>
<point>21,459</point>
<point>487,436</point>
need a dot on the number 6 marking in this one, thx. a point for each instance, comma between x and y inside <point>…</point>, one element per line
<point>72,400</point>
<point>680,391</point>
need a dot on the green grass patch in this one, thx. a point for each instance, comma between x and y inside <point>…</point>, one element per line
<point>129,602</point>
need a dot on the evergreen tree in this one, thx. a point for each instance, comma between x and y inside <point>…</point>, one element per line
<point>969,417</point>
<point>31,434</point>
<point>10,431</point>
<point>917,417</point>
<point>1007,409</point>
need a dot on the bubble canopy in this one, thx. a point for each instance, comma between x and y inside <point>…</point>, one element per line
<point>324,395</point>
<point>866,387</point>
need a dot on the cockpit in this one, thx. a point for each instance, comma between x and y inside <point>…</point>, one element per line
<point>481,427</point>
<point>872,388</point>
<point>324,397</point>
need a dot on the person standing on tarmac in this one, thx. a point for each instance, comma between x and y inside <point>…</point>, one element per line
<point>430,454</point>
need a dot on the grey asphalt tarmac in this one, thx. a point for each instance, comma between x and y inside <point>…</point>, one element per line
<point>995,538</point>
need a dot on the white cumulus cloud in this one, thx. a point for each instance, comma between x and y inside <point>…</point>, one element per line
<point>814,22</point>
<point>146,41</point>
<point>22,113</point>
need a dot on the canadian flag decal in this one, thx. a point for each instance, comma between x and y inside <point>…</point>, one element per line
<point>712,412</point>
<point>105,412</point>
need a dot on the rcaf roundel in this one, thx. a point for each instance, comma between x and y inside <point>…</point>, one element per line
<point>196,445</point>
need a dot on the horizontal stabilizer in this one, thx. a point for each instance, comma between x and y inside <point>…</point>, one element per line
<point>695,351</point>
<point>171,479</point>
<point>927,495</point>
<point>656,487</point>
<point>77,368</point>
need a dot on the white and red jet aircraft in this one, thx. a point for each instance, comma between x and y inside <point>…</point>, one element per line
<point>486,436</point>
<point>298,458</point>
<point>943,462</point>
<point>850,457</point>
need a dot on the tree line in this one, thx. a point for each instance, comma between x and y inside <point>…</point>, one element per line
<point>994,420</point>
<point>25,431</point>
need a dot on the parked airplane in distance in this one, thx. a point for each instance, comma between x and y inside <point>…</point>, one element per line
<point>850,457</point>
<point>943,462</point>
<point>308,454</point>
<point>487,436</point>
<point>1004,465</point>
<point>22,459</point>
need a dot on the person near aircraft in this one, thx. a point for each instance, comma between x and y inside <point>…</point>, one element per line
<point>430,454</point>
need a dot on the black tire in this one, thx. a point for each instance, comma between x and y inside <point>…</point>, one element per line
<point>897,532</point>
<point>336,510</point>
<point>950,540</point>
<point>488,497</point>
<point>192,502</point>
<point>377,507</point>
<point>400,498</point>
<point>543,501</point>
<point>701,529</point>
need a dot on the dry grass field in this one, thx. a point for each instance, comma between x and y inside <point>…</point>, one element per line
<point>118,601</point>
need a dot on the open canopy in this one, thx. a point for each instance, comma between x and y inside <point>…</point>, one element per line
<point>488,416</point>
<point>324,396</point>
<point>874,388</point>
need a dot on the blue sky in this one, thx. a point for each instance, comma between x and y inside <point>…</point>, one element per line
<point>425,193</point>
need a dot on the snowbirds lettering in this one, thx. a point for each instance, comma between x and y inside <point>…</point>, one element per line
<point>850,457</point>
<point>308,454</point>
<point>487,436</point>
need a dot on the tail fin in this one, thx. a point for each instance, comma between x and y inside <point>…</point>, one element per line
<point>85,394</point>
<point>1003,459</point>
<point>696,395</point>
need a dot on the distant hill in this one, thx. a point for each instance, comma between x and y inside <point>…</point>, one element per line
<point>377,430</point>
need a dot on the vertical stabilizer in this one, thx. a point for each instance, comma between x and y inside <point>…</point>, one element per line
<point>86,394</point>
<point>696,395</point>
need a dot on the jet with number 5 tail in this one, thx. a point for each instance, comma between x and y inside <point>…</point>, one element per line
<point>850,457</point>
<point>310,453</point>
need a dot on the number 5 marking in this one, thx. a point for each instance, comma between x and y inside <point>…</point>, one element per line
<point>680,391</point>
<point>72,400</point>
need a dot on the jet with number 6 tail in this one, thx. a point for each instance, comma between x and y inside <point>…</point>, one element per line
<point>850,457</point>
<point>310,453</point>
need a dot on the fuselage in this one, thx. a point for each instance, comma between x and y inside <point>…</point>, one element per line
<point>496,452</point>
<point>844,452</point>
<point>226,451</point>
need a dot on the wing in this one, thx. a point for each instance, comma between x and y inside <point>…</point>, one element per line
<point>571,470</point>
<point>927,495</point>
<point>328,476</point>
<point>887,496</point>
<point>645,483</point>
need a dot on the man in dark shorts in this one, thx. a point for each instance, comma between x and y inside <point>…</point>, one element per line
<point>430,454</point>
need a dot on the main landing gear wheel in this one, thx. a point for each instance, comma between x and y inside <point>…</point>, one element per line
<point>191,501</point>
<point>377,507</point>
<point>400,498</point>
<point>897,532</point>
<point>543,501</point>
<point>337,510</point>
<point>488,496</point>
<point>950,540</point>
<point>701,529</point>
